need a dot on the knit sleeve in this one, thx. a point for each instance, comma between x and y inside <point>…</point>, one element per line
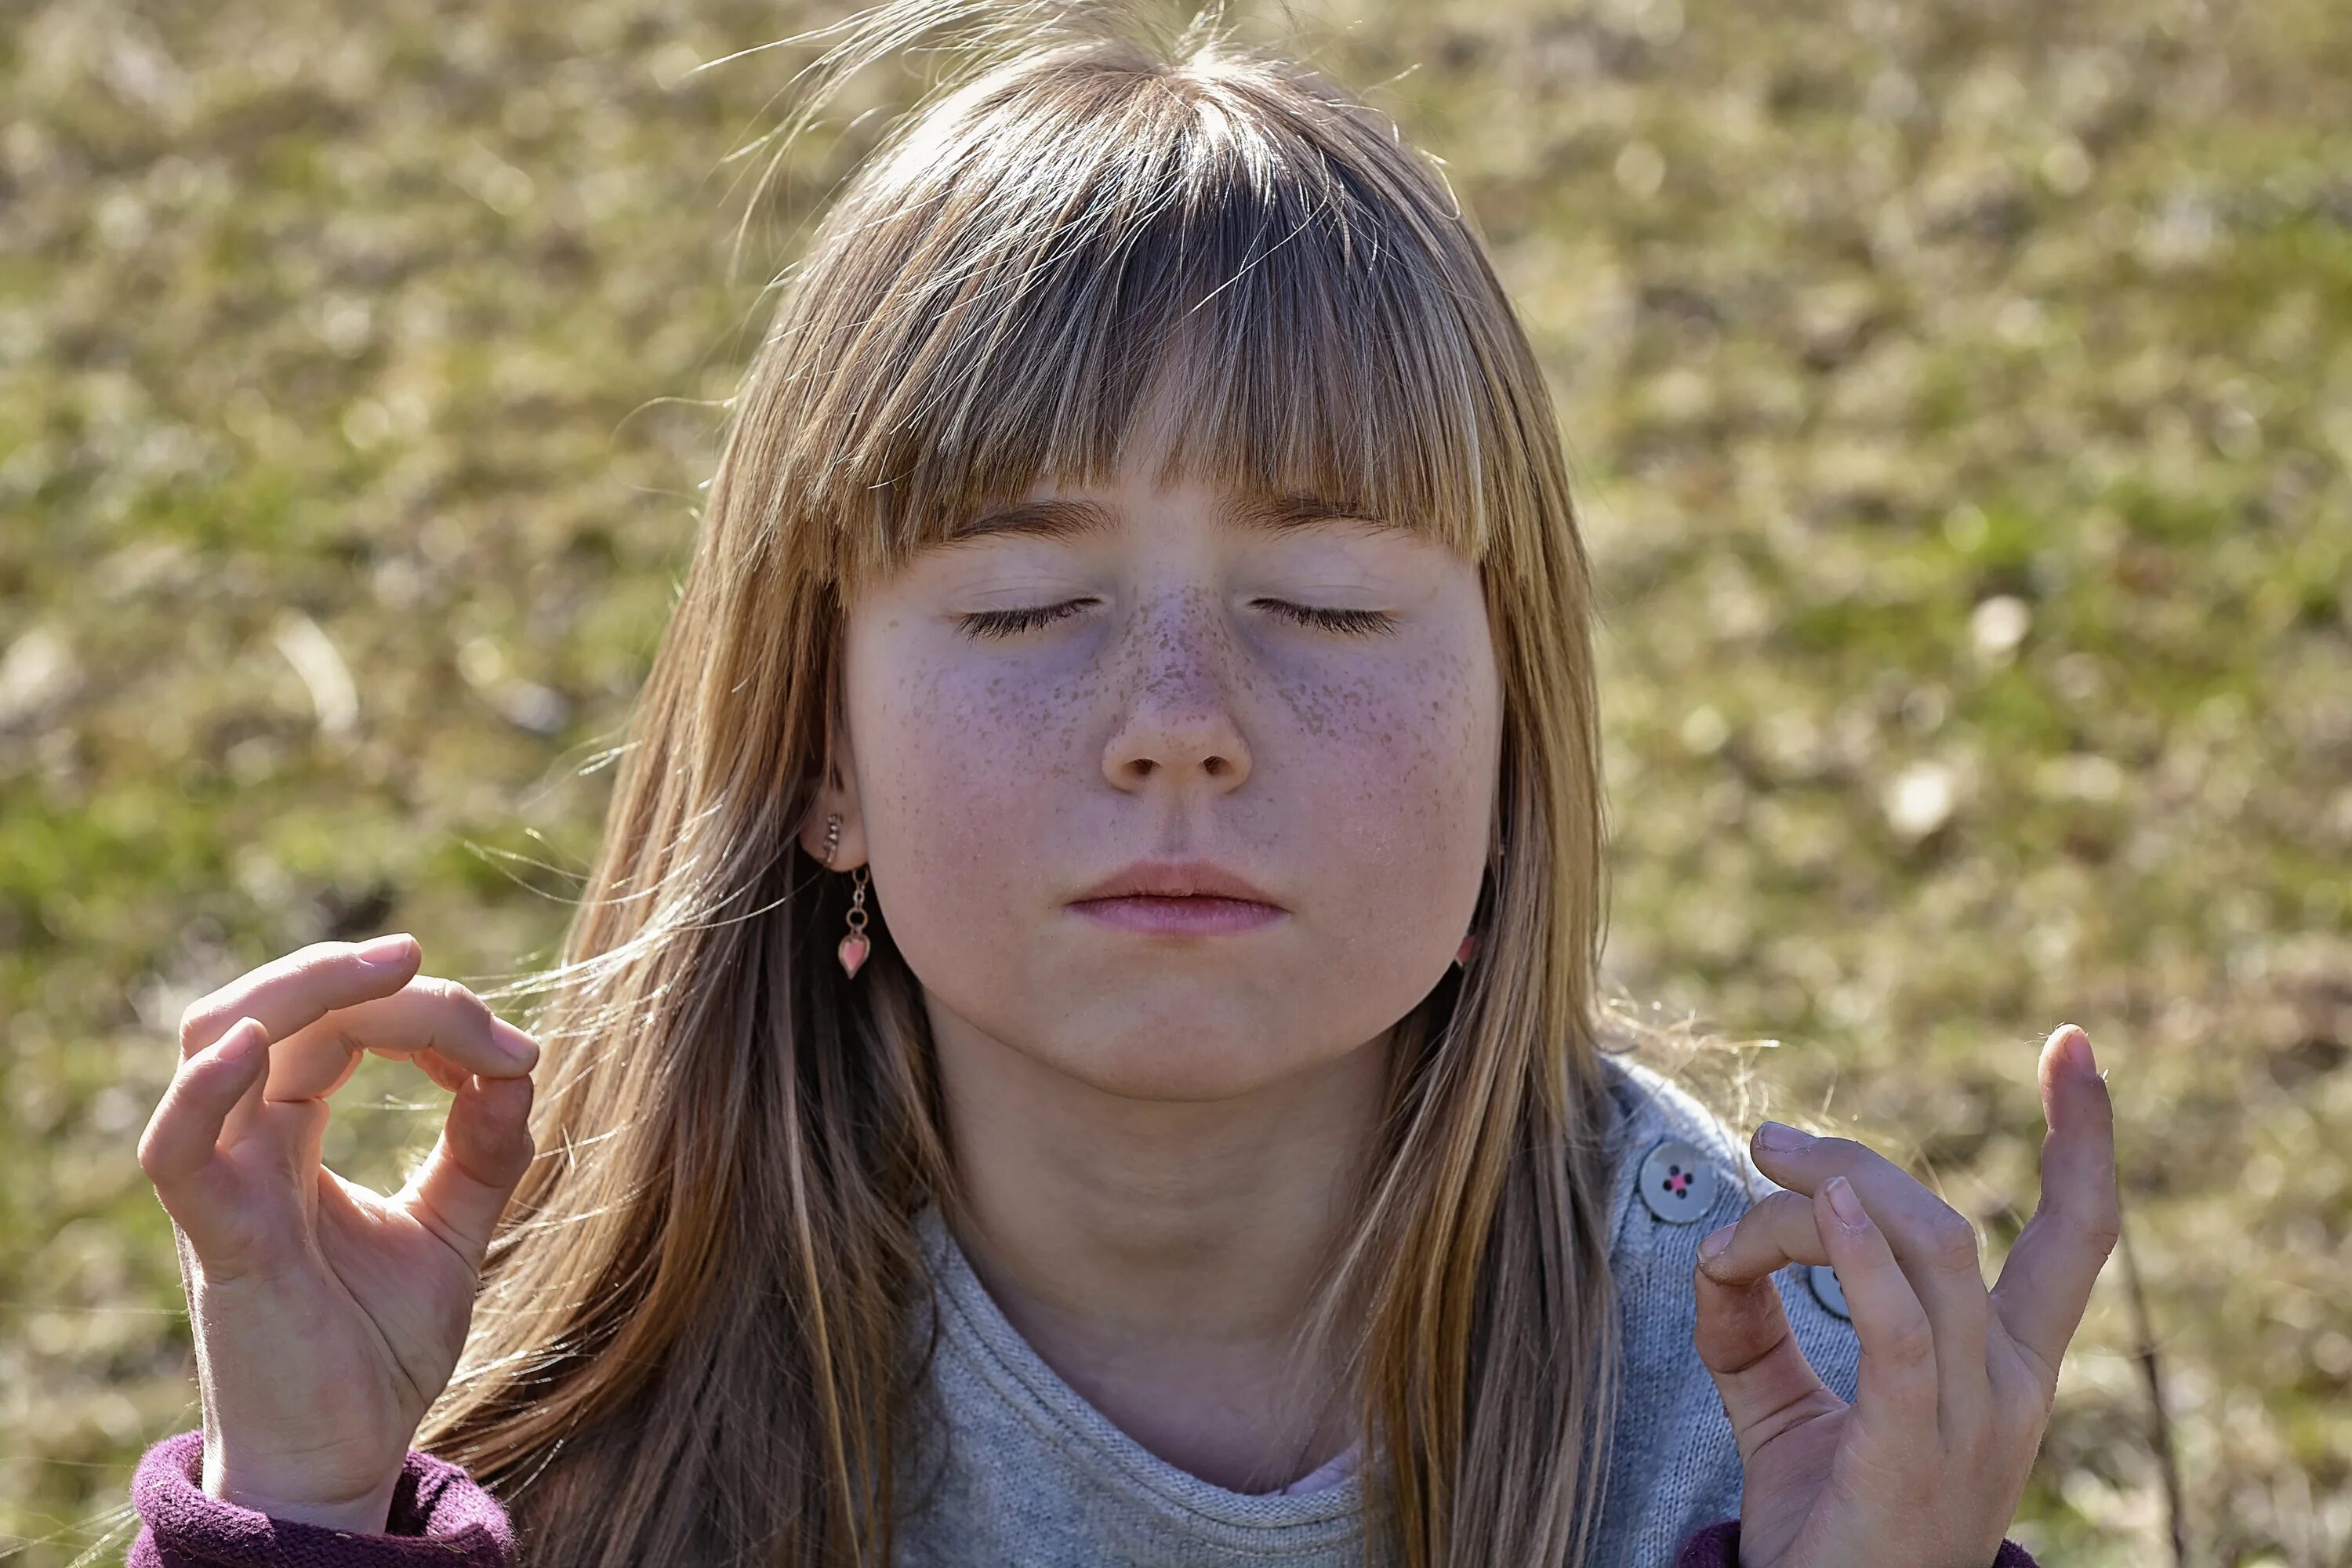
<point>440,1515</point>
<point>1718,1546</point>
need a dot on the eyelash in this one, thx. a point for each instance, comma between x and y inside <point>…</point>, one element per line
<point>1010,623</point>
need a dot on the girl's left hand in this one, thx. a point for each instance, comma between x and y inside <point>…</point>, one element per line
<point>1926,1465</point>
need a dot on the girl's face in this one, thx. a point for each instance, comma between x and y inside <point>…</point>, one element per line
<point>1029,712</point>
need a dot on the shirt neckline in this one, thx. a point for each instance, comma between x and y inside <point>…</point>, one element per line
<point>1025,1378</point>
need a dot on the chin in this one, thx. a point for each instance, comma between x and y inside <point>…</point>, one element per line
<point>1176,1064</point>
<point>1174,1049</point>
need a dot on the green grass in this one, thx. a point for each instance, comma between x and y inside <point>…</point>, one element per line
<point>407,326</point>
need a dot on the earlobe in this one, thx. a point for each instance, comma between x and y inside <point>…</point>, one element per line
<point>826,834</point>
<point>832,837</point>
<point>836,800</point>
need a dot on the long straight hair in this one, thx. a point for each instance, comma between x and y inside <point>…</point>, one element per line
<point>691,1344</point>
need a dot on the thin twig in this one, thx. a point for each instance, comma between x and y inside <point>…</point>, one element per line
<point>2160,1423</point>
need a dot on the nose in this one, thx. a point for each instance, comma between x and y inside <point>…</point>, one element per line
<point>1178,722</point>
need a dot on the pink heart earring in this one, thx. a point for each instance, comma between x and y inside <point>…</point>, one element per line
<point>855,946</point>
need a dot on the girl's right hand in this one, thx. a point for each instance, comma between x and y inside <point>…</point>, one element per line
<point>328,1316</point>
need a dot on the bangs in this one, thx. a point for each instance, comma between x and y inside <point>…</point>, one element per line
<point>1056,249</point>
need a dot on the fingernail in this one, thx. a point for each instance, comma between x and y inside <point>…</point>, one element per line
<point>2077,1047</point>
<point>387,952</point>
<point>1843,1203</point>
<point>242,1037</point>
<point>1781,1136</point>
<point>1717,1240</point>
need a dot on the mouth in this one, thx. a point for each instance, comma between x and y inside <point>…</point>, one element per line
<point>1179,897</point>
<point>1191,914</point>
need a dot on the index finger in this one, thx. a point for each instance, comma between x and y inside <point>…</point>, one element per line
<point>299,987</point>
<point>2046,1282</point>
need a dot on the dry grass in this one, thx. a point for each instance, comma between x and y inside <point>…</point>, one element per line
<point>1963,399</point>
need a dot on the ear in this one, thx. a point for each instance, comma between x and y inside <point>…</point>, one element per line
<point>837,795</point>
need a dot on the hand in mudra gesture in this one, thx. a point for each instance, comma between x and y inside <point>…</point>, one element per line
<point>1926,1465</point>
<point>328,1316</point>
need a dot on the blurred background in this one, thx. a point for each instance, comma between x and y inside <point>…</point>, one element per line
<point>1961,398</point>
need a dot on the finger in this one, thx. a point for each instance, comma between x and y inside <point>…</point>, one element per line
<point>1934,1243</point>
<point>1897,1390</point>
<point>1779,1229</point>
<point>427,1016</point>
<point>179,1151</point>
<point>1743,1338</point>
<point>484,1149</point>
<point>288,991</point>
<point>2046,1283</point>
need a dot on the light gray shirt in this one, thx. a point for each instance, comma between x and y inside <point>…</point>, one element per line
<point>1029,1474</point>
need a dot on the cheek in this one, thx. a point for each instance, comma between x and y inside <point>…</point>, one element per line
<point>1401,765</point>
<point>990,730</point>
<point>1392,775</point>
<point>954,764</point>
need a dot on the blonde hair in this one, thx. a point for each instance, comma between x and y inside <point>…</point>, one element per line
<point>689,1346</point>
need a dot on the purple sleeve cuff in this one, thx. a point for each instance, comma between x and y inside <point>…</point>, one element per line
<point>1718,1546</point>
<point>440,1516</point>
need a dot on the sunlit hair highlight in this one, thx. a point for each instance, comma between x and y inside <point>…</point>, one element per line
<point>693,1343</point>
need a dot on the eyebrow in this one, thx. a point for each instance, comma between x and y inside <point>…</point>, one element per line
<point>1059,519</point>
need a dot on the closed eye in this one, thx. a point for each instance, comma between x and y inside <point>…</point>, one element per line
<point>1011,623</point>
<point>1008,623</point>
<point>1355,623</point>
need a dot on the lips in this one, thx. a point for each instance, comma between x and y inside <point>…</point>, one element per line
<point>1179,897</point>
<point>1166,880</point>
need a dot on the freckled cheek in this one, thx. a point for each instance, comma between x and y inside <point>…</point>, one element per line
<point>1400,806</point>
<point>957,781</point>
<point>1402,787</point>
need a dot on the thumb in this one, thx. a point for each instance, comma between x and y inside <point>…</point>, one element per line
<point>180,1152</point>
<point>484,1148</point>
<point>1742,1337</point>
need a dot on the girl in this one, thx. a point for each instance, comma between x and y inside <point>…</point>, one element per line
<point>1081,1045</point>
